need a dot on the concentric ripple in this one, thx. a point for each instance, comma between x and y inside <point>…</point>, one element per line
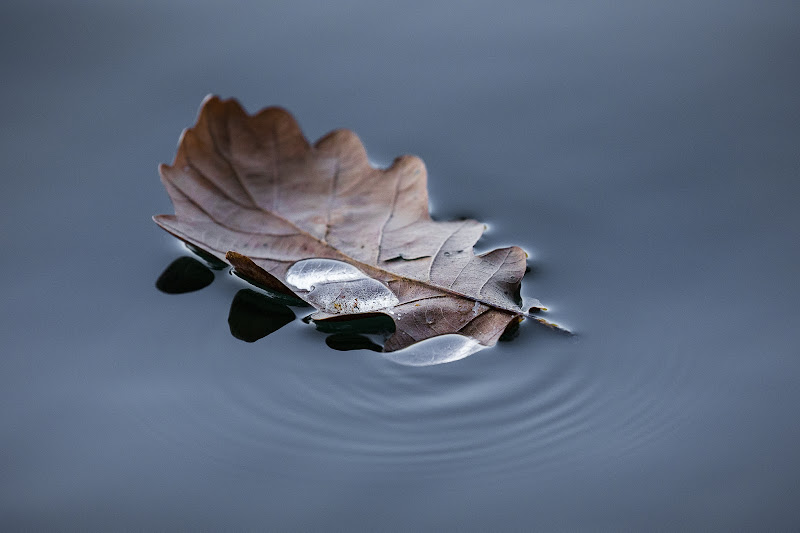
<point>287,405</point>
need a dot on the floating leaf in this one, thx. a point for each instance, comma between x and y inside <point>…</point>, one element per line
<point>319,222</point>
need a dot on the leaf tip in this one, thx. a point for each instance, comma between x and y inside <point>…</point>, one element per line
<point>344,141</point>
<point>162,220</point>
<point>163,170</point>
<point>207,98</point>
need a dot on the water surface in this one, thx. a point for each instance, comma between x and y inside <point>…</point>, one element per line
<point>645,156</point>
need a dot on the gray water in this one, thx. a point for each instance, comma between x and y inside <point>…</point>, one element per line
<point>645,154</point>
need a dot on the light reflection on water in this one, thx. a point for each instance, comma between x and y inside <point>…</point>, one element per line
<point>436,351</point>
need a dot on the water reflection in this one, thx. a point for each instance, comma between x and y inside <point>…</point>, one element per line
<point>436,351</point>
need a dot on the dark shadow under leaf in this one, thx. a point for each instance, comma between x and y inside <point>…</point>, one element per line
<point>185,274</point>
<point>254,315</point>
<point>351,341</point>
<point>511,332</point>
<point>378,323</point>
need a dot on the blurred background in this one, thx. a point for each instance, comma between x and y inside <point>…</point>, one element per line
<point>646,154</point>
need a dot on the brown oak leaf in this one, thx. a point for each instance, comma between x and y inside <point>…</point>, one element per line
<point>320,222</point>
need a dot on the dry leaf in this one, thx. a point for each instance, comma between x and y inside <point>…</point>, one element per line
<point>321,223</point>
